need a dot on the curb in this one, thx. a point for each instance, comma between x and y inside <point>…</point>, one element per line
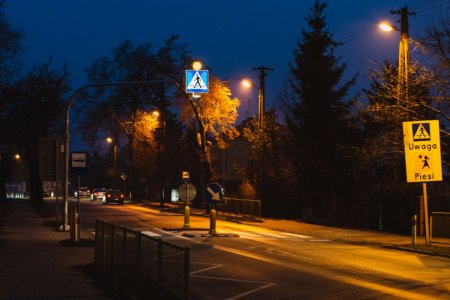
<point>416,251</point>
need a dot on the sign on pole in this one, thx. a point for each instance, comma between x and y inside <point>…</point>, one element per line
<point>187,191</point>
<point>422,151</point>
<point>213,193</point>
<point>197,81</point>
<point>78,162</point>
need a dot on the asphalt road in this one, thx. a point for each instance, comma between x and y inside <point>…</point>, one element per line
<point>267,264</point>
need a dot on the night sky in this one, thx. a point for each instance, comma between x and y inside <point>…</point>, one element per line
<point>230,37</point>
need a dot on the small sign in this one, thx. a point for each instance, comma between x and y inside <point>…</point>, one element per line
<point>187,191</point>
<point>185,176</point>
<point>78,162</point>
<point>213,193</point>
<point>422,151</point>
<point>197,81</point>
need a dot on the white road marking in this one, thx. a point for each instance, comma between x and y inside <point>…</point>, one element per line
<point>212,266</point>
<point>150,233</point>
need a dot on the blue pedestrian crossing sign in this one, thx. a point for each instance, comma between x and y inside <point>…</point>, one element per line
<point>197,81</point>
<point>213,193</point>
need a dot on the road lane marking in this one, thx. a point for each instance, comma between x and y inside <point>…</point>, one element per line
<point>265,285</point>
<point>212,266</point>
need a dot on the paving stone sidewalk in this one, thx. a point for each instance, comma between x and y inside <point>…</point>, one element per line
<point>38,262</point>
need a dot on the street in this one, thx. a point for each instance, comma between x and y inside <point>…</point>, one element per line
<point>267,264</point>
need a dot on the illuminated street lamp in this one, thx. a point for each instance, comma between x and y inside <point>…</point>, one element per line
<point>403,54</point>
<point>161,152</point>
<point>248,84</point>
<point>110,140</point>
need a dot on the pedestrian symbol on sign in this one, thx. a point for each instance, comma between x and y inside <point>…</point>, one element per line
<point>421,132</point>
<point>197,81</point>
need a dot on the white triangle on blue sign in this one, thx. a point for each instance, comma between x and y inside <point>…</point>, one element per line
<point>196,82</point>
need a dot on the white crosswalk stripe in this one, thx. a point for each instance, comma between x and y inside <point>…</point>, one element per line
<point>278,236</point>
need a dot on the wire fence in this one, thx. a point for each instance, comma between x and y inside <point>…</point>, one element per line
<point>440,227</point>
<point>240,209</point>
<point>145,267</point>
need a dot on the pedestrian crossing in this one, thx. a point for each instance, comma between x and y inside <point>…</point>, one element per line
<point>279,236</point>
<point>247,235</point>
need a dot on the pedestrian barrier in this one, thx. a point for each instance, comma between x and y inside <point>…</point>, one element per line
<point>440,227</point>
<point>240,209</point>
<point>145,267</point>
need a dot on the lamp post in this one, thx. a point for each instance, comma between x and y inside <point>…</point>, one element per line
<point>161,154</point>
<point>114,143</point>
<point>261,91</point>
<point>249,84</point>
<point>403,54</point>
<point>19,159</point>
<point>67,129</point>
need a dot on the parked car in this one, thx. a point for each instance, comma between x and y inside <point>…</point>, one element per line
<point>98,194</point>
<point>84,192</point>
<point>113,196</point>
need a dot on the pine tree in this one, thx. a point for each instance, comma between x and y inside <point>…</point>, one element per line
<point>318,117</point>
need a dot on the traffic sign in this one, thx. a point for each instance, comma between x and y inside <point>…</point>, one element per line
<point>187,191</point>
<point>78,162</point>
<point>422,151</point>
<point>185,176</point>
<point>213,193</point>
<point>197,81</point>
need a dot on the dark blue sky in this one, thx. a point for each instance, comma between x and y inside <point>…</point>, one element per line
<point>230,36</point>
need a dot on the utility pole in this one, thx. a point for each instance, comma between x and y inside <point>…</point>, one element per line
<point>262,84</point>
<point>403,57</point>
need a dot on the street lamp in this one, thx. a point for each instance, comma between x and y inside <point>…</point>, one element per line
<point>248,84</point>
<point>403,54</point>
<point>261,91</point>
<point>161,153</point>
<point>110,140</point>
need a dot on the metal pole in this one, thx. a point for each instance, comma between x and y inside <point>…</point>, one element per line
<point>414,230</point>
<point>425,204</point>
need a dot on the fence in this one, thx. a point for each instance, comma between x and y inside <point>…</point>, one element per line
<point>145,267</point>
<point>440,227</point>
<point>240,209</point>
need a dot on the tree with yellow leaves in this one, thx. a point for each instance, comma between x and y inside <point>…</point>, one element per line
<point>213,116</point>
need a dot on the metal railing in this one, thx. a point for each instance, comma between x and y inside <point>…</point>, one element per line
<point>240,209</point>
<point>145,267</point>
<point>440,227</point>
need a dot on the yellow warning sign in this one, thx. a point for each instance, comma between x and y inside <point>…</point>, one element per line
<point>422,151</point>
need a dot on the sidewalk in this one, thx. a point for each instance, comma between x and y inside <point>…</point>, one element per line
<point>37,262</point>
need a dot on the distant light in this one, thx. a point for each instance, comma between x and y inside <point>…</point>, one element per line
<point>246,83</point>
<point>17,156</point>
<point>155,113</point>
<point>386,26</point>
<point>197,65</point>
<point>109,140</point>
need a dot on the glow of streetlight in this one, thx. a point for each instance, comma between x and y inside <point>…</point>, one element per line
<point>155,113</point>
<point>387,27</point>
<point>246,83</point>
<point>17,156</point>
<point>109,140</point>
<point>196,65</point>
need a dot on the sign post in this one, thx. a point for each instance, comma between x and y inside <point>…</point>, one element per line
<point>423,158</point>
<point>78,165</point>
<point>213,194</point>
<point>187,192</point>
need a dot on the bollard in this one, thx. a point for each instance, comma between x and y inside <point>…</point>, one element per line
<point>212,221</point>
<point>74,226</point>
<point>187,212</point>
<point>414,230</point>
